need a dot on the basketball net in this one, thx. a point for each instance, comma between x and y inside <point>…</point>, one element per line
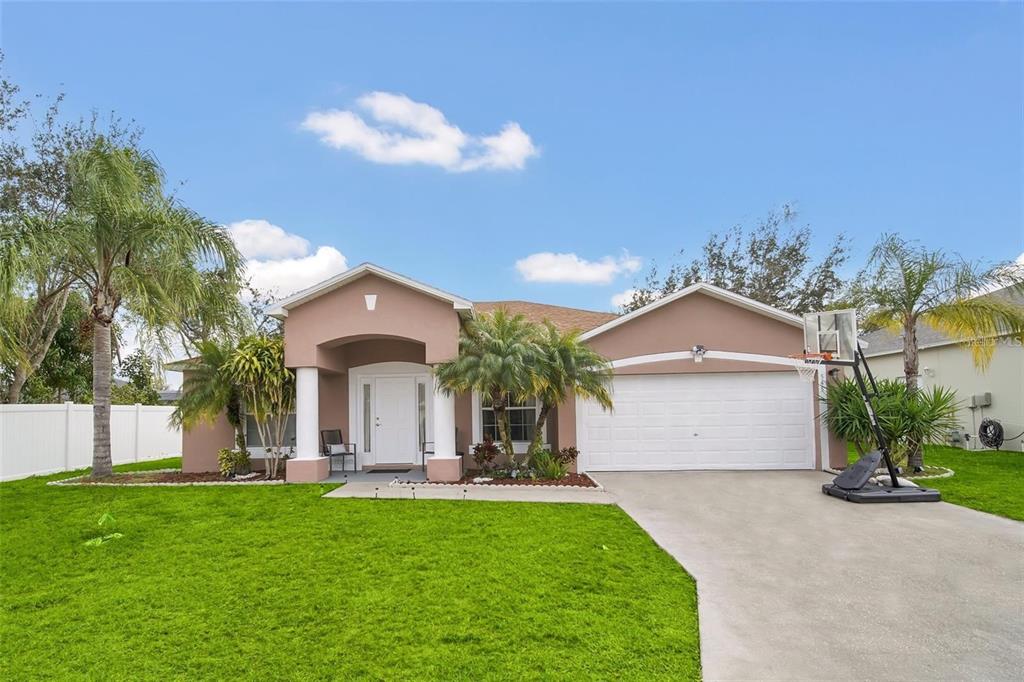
<point>808,370</point>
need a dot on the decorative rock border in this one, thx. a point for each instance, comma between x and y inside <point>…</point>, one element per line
<point>76,480</point>
<point>946,473</point>
<point>527,486</point>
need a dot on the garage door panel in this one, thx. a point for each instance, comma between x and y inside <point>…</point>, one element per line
<point>756,420</point>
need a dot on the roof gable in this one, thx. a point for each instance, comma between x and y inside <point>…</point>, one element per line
<point>280,310</point>
<point>704,288</point>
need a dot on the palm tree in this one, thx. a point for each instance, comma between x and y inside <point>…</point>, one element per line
<point>906,284</point>
<point>210,391</point>
<point>127,244</point>
<point>495,354</point>
<point>268,388</point>
<point>565,367</point>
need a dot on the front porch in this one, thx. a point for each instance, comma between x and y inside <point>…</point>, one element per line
<point>379,393</point>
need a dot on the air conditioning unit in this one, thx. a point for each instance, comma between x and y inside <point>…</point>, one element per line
<point>981,400</point>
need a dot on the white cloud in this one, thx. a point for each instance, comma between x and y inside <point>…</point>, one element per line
<point>262,239</point>
<point>407,132</point>
<point>568,267</point>
<point>285,276</point>
<point>279,262</point>
<point>622,298</point>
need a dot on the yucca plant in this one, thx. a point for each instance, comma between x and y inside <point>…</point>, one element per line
<point>908,419</point>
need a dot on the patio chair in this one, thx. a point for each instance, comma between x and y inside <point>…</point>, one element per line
<point>333,445</point>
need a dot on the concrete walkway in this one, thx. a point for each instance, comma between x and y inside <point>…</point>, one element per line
<point>511,493</point>
<point>795,585</point>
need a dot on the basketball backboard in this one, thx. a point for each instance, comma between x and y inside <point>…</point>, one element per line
<point>833,332</point>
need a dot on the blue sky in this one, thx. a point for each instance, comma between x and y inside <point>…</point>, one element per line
<point>615,133</point>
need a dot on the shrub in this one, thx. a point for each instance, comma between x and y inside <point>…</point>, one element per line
<point>546,465</point>
<point>906,418</point>
<point>233,462</point>
<point>485,453</point>
<point>568,455</point>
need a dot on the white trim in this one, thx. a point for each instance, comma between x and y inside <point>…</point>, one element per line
<point>280,310</point>
<point>307,413</point>
<point>710,354</point>
<point>357,376</point>
<point>701,287</point>
<point>823,434</point>
<point>520,446</point>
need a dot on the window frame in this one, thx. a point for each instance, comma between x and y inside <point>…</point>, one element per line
<point>259,449</point>
<point>479,406</point>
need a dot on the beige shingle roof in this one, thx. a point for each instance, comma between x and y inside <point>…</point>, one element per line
<point>565,319</point>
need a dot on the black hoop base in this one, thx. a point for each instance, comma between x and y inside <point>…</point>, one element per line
<point>875,494</point>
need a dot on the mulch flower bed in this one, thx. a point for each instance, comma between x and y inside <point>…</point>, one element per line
<point>570,481</point>
<point>168,477</point>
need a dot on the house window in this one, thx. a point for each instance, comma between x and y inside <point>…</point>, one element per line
<point>521,418</point>
<point>252,434</point>
<point>367,414</point>
<point>421,412</point>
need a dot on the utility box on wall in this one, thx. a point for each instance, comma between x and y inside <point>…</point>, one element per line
<point>981,400</point>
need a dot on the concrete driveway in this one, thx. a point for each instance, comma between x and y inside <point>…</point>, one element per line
<point>796,585</point>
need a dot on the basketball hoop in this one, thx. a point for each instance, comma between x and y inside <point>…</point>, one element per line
<point>808,369</point>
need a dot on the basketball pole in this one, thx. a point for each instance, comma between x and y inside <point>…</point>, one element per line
<point>883,443</point>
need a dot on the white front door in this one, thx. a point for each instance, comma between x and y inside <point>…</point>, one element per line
<point>395,420</point>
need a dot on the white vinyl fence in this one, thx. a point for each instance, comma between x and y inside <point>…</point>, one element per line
<point>44,439</point>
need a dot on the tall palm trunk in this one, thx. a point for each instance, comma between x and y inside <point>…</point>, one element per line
<point>101,370</point>
<point>538,431</point>
<point>915,455</point>
<point>499,401</point>
<point>234,416</point>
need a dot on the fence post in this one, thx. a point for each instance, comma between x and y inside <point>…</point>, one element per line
<point>68,416</point>
<point>138,422</point>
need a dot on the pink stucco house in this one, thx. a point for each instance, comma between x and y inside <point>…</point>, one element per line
<point>363,342</point>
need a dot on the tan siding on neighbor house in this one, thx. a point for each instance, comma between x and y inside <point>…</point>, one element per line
<point>953,366</point>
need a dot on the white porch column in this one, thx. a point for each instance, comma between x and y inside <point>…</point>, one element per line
<point>444,426</point>
<point>307,413</point>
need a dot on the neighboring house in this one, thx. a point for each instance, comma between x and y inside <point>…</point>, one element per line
<point>363,342</point>
<point>943,361</point>
<point>170,396</point>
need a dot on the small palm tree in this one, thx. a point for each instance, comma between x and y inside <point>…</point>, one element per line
<point>496,351</point>
<point>906,284</point>
<point>210,391</point>
<point>127,244</point>
<point>565,367</point>
<point>268,389</point>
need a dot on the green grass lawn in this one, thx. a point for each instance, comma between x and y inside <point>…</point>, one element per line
<point>985,480</point>
<point>273,582</point>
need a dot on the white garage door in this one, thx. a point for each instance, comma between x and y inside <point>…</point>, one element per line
<point>748,420</point>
